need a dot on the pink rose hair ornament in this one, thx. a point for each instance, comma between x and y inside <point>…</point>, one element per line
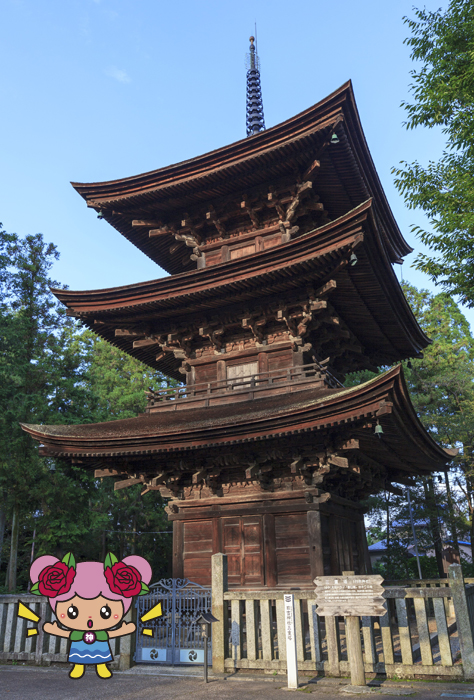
<point>57,578</point>
<point>122,578</point>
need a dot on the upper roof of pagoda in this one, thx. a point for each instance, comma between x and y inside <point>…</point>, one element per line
<point>200,187</point>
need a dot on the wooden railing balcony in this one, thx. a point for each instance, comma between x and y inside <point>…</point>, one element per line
<point>242,388</point>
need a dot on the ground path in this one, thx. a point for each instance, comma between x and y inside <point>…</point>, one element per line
<point>143,683</point>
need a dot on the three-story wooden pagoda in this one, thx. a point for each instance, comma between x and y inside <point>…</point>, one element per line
<point>279,250</point>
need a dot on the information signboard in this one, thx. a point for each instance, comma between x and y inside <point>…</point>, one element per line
<point>349,596</point>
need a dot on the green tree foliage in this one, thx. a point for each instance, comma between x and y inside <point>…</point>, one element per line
<point>442,391</point>
<point>36,375</point>
<point>443,96</point>
<point>51,371</point>
<point>116,383</point>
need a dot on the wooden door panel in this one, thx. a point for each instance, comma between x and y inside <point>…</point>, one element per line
<point>197,551</point>
<point>231,534</point>
<point>292,549</point>
<point>242,539</point>
<point>232,543</point>
<point>252,531</point>
<point>198,536</point>
<point>294,566</point>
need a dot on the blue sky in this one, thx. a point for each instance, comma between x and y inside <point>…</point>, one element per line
<point>101,89</point>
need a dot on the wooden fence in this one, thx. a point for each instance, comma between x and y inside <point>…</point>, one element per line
<point>426,631</point>
<point>43,649</point>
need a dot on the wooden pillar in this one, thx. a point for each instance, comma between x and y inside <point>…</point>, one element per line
<point>271,578</point>
<point>297,357</point>
<point>354,651</point>
<point>178,549</point>
<point>125,643</point>
<point>365,563</point>
<point>220,629</point>
<point>263,362</point>
<point>466,641</point>
<point>221,371</point>
<point>315,543</point>
<point>334,547</point>
<point>216,535</point>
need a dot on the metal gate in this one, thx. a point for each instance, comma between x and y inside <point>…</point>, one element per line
<point>176,637</point>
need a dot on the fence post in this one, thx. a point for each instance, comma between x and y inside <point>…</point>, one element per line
<point>40,636</point>
<point>456,582</point>
<point>125,648</point>
<point>220,633</point>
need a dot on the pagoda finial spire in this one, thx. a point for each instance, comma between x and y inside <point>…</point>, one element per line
<point>255,118</point>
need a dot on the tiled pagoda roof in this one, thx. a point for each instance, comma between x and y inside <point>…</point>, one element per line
<point>367,296</point>
<point>405,448</point>
<point>347,177</point>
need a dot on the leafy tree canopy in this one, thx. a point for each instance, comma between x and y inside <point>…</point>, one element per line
<point>443,96</point>
<point>52,371</point>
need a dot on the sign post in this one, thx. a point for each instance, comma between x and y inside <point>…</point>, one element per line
<point>205,620</point>
<point>291,660</point>
<point>351,597</point>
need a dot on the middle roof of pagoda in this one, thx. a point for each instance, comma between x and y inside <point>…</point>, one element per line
<point>345,178</point>
<point>367,296</point>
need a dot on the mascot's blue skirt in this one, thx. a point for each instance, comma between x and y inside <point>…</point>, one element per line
<point>96,653</point>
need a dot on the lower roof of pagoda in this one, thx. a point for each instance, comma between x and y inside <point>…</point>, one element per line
<point>367,296</point>
<point>405,446</point>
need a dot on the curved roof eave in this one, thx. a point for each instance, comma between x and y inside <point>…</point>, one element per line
<point>113,190</point>
<point>339,236</point>
<point>338,105</point>
<point>142,435</point>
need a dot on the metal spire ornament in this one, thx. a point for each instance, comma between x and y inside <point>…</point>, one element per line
<point>255,118</point>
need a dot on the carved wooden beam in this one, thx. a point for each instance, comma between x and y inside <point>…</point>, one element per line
<point>256,326</point>
<point>252,472</point>
<point>214,335</point>
<point>297,464</point>
<point>211,216</point>
<point>190,240</point>
<point>274,201</point>
<point>158,479</point>
<point>99,473</point>
<point>147,342</point>
<point>351,444</point>
<point>199,476</point>
<point>337,461</point>
<point>287,230</point>
<point>171,508</point>
<point>244,204</point>
<point>325,289</point>
<point>312,170</point>
<point>146,224</point>
<point>130,332</point>
<point>301,190</point>
<point>126,483</point>
<point>313,205</point>
<point>162,231</point>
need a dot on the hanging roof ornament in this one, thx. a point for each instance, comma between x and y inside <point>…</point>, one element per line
<point>255,118</point>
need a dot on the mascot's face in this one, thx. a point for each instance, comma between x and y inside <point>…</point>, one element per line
<point>96,614</point>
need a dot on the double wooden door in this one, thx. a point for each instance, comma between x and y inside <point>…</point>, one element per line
<point>242,541</point>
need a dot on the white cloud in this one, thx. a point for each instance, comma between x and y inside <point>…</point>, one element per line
<point>118,74</point>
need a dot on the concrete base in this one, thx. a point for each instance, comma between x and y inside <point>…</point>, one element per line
<point>365,689</point>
